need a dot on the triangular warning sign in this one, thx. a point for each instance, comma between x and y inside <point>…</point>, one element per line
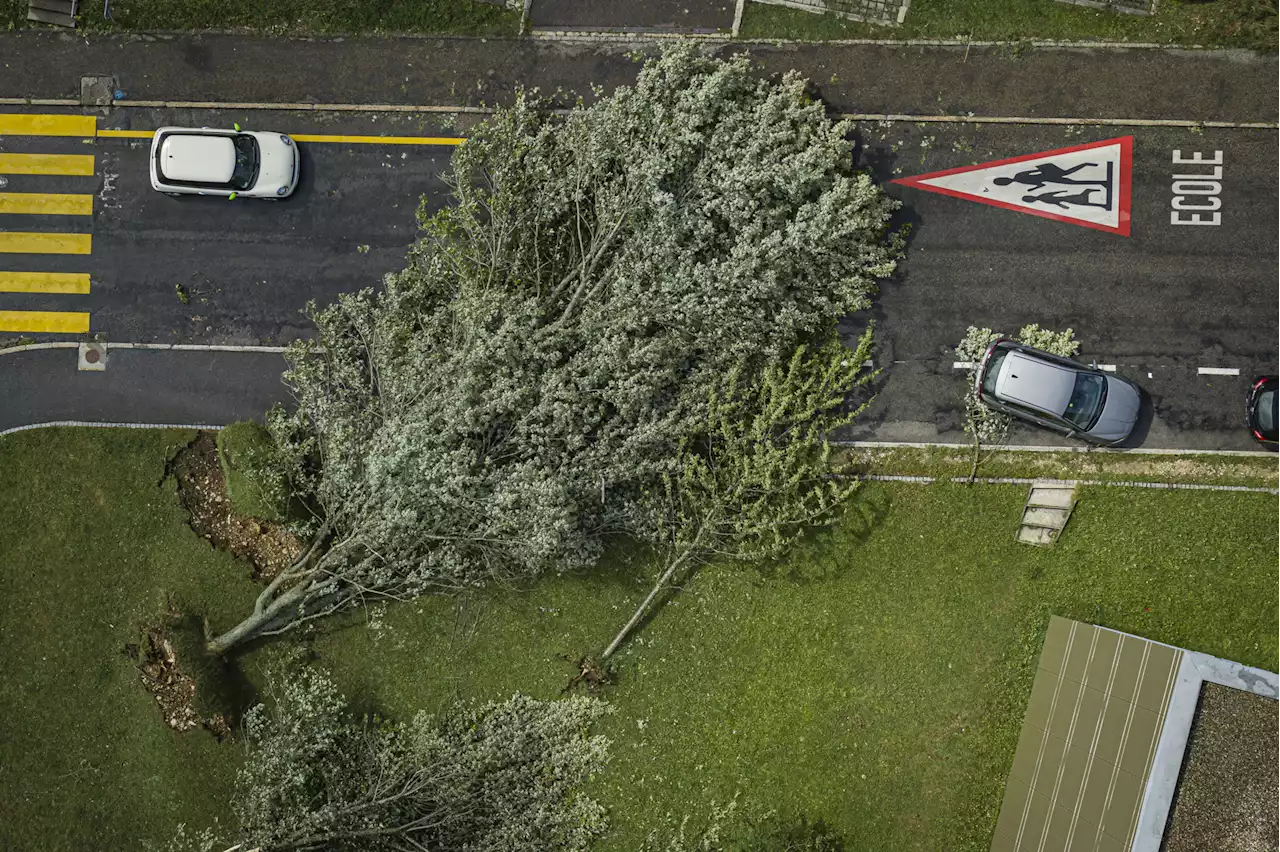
<point>1085,185</point>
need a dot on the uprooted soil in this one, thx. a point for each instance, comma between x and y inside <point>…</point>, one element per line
<point>172,688</point>
<point>202,490</point>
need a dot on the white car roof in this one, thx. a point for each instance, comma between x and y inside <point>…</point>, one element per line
<point>199,158</point>
<point>1030,381</point>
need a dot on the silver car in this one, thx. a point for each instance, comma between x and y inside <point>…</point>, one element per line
<point>1057,393</point>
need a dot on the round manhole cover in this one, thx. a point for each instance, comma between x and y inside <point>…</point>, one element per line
<point>92,356</point>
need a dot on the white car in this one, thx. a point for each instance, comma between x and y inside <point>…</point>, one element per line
<point>206,161</point>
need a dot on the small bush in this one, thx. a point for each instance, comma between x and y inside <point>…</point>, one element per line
<point>255,486</point>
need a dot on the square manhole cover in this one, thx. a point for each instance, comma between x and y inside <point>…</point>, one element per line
<point>97,90</point>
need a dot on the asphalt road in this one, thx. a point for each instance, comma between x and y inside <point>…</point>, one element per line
<point>1006,80</point>
<point>175,387</point>
<point>246,267</point>
<point>1160,303</point>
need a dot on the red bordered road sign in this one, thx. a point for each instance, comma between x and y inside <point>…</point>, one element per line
<point>1085,185</point>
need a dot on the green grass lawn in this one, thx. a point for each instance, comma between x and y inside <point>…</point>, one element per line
<point>876,679</point>
<point>290,17</point>
<point>1232,23</point>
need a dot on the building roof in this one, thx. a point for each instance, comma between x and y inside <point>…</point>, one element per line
<point>1097,709</point>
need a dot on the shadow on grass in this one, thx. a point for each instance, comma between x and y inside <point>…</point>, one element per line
<point>805,563</point>
<point>822,554</point>
<point>222,687</point>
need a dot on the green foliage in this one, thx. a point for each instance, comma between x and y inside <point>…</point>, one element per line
<point>762,472</point>
<point>498,777</point>
<point>1230,23</point>
<point>731,827</point>
<point>256,485</point>
<point>515,395</point>
<point>291,17</point>
<point>686,835</point>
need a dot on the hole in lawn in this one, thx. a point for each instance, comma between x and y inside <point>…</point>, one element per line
<point>202,491</point>
<point>192,688</point>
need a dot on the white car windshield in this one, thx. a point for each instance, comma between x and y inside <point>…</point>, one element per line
<point>246,171</point>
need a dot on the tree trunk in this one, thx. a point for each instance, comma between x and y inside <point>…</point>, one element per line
<point>260,619</point>
<point>639,613</point>
<point>977,449</point>
<point>268,607</point>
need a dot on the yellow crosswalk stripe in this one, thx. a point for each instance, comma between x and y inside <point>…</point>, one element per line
<point>127,134</point>
<point>49,322</point>
<point>17,124</point>
<point>73,283</point>
<point>46,164</point>
<point>46,203</point>
<point>19,242</point>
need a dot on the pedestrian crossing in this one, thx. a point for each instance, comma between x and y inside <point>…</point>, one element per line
<point>41,231</point>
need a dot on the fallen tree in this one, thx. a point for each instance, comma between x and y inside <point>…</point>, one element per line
<point>498,777</point>
<point>519,392</point>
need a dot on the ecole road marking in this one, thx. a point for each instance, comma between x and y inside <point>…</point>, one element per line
<point>46,203</point>
<point>19,242</point>
<point>46,164</point>
<point>1087,185</point>
<point>69,283</point>
<point>44,322</point>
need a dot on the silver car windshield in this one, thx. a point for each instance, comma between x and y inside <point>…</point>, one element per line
<point>1086,400</point>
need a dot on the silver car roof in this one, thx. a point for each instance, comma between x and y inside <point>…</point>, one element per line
<point>1028,380</point>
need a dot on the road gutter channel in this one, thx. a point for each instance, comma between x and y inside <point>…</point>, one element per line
<point>180,347</point>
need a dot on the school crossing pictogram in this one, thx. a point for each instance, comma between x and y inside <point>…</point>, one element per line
<point>1085,185</point>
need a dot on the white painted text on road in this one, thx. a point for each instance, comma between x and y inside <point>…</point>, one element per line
<point>1196,198</point>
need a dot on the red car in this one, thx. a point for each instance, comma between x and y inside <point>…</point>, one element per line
<point>1260,409</point>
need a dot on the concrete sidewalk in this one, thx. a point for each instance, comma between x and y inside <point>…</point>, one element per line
<point>173,386</point>
<point>1096,82</point>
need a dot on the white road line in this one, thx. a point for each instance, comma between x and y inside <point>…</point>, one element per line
<point>56,423</point>
<point>180,347</point>
<point>962,365</point>
<point>1218,371</point>
<point>1107,368</point>
<point>196,347</point>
